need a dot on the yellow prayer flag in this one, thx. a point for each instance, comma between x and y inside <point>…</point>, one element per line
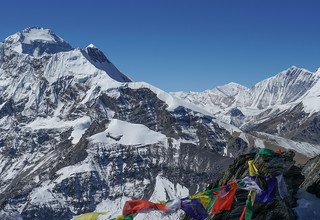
<point>253,171</point>
<point>252,194</point>
<point>89,216</point>
<point>203,197</point>
<point>121,217</point>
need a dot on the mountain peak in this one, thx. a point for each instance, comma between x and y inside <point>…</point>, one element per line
<point>232,88</point>
<point>95,54</point>
<point>97,58</point>
<point>293,67</point>
<point>36,41</point>
<point>33,34</point>
<point>317,71</point>
<point>91,46</point>
<point>294,70</point>
<point>235,85</point>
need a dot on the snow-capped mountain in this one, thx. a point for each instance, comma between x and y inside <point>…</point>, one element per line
<point>286,87</point>
<point>77,135</point>
<point>218,99</point>
<point>36,42</point>
<point>287,104</point>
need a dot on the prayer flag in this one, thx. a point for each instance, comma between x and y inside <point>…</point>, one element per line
<point>138,206</point>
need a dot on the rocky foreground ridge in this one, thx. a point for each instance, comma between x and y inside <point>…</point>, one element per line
<point>297,178</point>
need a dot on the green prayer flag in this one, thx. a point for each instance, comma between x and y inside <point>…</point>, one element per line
<point>249,210</point>
<point>128,217</point>
<point>213,199</point>
<point>266,151</point>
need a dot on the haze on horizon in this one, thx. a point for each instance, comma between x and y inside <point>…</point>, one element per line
<point>183,45</point>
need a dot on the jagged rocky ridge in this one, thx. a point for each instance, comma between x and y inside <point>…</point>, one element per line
<point>77,135</point>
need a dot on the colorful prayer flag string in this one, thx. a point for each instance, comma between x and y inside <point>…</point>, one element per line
<point>199,206</point>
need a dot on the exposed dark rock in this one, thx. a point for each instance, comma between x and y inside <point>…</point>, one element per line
<point>311,171</point>
<point>96,55</point>
<point>235,112</point>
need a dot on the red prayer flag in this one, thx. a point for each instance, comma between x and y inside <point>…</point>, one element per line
<point>278,152</point>
<point>243,213</point>
<point>225,202</point>
<point>136,206</point>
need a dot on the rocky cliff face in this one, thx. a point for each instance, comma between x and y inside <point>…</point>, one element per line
<point>312,172</point>
<point>78,136</point>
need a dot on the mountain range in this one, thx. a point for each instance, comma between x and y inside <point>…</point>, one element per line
<point>285,105</point>
<point>77,135</point>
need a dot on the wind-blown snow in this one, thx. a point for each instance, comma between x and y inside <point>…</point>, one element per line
<point>126,133</point>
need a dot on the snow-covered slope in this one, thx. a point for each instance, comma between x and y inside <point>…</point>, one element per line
<point>286,87</point>
<point>77,134</point>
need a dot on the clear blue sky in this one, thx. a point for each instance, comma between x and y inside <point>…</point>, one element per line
<point>182,44</point>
